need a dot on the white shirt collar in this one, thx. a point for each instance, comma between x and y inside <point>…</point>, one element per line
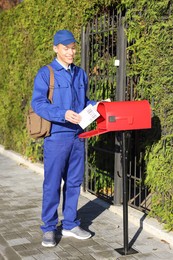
<point>69,67</point>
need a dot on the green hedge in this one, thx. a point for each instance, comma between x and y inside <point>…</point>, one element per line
<point>26,45</point>
<point>149,32</point>
<point>160,179</point>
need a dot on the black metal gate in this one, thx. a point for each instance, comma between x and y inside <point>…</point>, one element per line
<point>104,59</point>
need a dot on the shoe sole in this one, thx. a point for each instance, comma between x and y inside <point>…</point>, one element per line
<point>48,245</point>
<point>70,234</point>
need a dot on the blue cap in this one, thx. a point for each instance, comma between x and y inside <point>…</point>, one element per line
<point>64,37</point>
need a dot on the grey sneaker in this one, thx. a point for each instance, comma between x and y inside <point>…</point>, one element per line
<point>49,239</point>
<point>76,232</point>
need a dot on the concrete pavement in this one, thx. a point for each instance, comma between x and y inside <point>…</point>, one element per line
<point>20,209</point>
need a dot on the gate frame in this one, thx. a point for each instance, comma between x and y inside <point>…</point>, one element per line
<point>119,96</point>
<point>124,84</point>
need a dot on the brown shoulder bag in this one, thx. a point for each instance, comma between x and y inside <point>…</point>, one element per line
<point>37,126</point>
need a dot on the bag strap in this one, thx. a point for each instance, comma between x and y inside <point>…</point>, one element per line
<point>51,84</point>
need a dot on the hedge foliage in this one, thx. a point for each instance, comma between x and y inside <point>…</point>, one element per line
<point>26,45</point>
<point>149,32</point>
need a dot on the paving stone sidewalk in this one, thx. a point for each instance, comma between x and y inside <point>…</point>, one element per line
<point>20,235</point>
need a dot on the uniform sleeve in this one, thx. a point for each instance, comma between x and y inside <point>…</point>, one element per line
<point>40,102</point>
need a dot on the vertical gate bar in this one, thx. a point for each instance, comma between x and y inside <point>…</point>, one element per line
<point>135,170</point>
<point>100,40</point>
<point>113,15</point>
<point>107,50</point>
<point>131,89</point>
<point>130,182</point>
<point>92,48</point>
<point>140,180</point>
<point>83,54</point>
<point>145,200</point>
<point>103,47</point>
<point>87,66</point>
<point>95,76</point>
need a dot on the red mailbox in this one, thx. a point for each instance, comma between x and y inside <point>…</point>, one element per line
<point>120,116</point>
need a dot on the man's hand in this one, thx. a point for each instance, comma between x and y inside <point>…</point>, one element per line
<point>72,117</point>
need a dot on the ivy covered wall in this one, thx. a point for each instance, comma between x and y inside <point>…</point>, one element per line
<point>25,45</point>
<point>149,32</point>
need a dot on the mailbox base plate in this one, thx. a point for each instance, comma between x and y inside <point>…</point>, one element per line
<point>130,251</point>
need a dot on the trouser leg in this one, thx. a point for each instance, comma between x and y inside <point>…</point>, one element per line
<point>72,182</point>
<point>56,153</point>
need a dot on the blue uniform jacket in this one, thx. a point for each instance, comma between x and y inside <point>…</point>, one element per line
<point>69,94</point>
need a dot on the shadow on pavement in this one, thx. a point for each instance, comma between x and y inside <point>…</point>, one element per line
<point>89,212</point>
<point>136,235</point>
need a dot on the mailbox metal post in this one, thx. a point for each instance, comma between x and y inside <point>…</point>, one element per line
<point>125,199</point>
<point>126,250</point>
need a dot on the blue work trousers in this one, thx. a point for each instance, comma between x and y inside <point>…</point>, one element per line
<point>63,159</point>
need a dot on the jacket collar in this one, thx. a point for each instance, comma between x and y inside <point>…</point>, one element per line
<point>57,66</point>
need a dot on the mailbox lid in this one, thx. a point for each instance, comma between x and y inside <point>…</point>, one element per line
<point>92,133</point>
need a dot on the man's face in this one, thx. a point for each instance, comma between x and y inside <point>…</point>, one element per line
<point>65,54</point>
